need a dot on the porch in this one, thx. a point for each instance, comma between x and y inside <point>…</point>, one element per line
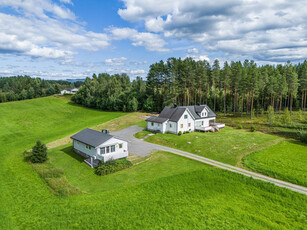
<point>92,162</point>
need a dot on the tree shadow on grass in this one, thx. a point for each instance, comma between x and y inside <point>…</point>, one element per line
<point>70,152</point>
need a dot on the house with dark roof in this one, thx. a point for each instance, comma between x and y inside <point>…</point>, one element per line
<point>98,146</point>
<point>69,91</point>
<point>184,118</point>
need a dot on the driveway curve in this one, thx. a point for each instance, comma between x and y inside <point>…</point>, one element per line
<point>143,148</point>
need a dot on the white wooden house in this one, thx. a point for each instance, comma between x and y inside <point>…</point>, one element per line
<point>98,146</point>
<point>184,118</point>
<point>69,91</point>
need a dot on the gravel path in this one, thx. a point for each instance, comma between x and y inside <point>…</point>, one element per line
<point>142,148</point>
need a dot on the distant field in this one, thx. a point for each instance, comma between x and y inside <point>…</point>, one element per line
<point>261,123</point>
<point>286,161</point>
<point>167,191</point>
<point>228,145</point>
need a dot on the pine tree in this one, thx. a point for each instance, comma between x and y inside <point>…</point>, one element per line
<point>39,153</point>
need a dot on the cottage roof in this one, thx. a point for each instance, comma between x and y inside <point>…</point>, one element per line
<point>157,119</point>
<point>91,137</point>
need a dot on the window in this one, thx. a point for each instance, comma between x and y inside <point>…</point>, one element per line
<point>189,124</point>
<point>152,124</point>
<point>202,114</point>
<point>185,116</point>
<point>113,148</point>
<point>170,125</point>
<point>202,123</point>
<point>108,149</point>
<point>89,147</point>
<point>120,146</point>
<point>103,150</point>
<point>181,125</point>
<point>86,146</point>
<point>78,142</point>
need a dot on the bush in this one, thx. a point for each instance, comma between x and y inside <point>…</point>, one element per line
<point>286,118</point>
<point>179,133</point>
<point>39,153</point>
<point>302,135</point>
<point>253,128</point>
<point>112,166</point>
<point>271,115</point>
<point>240,126</point>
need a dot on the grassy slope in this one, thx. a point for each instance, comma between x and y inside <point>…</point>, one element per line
<point>286,160</point>
<point>207,197</point>
<point>228,145</point>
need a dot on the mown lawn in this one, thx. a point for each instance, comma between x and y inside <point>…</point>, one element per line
<point>159,194</point>
<point>286,161</point>
<point>228,145</point>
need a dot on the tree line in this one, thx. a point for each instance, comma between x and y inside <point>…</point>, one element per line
<point>25,87</point>
<point>112,92</point>
<point>234,87</point>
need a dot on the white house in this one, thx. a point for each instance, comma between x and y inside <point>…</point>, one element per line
<point>69,91</point>
<point>98,146</point>
<point>184,118</point>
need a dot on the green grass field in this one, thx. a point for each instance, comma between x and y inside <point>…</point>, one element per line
<point>286,161</point>
<point>279,127</point>
<point>167,191</point>
<point>228,145</point>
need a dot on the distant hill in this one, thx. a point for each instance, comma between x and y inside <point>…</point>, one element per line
<point>75,80</point>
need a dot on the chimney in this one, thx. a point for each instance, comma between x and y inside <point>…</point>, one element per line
<point>198,103</point>
<point>175,105</point>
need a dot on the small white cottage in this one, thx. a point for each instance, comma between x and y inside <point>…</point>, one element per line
<point>98,146</point>
<point>184,118</point>
<point>69,91</point>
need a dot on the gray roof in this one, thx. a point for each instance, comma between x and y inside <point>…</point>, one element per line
<point>91,137</point>
<point>175,113</point>
<point>157,119</point>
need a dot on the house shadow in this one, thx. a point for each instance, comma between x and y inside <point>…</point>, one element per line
<point>70,152</point>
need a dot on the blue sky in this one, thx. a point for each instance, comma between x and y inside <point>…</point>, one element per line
<point>75,38</point>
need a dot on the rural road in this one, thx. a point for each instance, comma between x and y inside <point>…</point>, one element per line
<point>143,148</point>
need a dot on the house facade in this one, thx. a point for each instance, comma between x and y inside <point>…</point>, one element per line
<point>69,91</point>
<point>98,146</point>
<point>184,118</point>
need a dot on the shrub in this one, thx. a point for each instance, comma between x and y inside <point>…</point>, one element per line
<point>179,133</point>
<point>112,166</point>
<point>271,115</point>
<point>302,135</point>
<point>39,153</point>
<point>168,132</point>
<point>286,117</point>
<point>253,128</point>
<point>240,126</point>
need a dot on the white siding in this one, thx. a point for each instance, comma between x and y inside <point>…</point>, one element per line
<point>157,127</point>
<point>185,123</point>
<point>171,126</point>
<point>119,152</point>
<point>82,147</point>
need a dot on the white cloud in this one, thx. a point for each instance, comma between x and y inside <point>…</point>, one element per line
<point>32,32</point>
<point>193,51</point>
<point>150,41</point>
<point>251,28</point>
<point>67,2</point>
<point>116,61</point>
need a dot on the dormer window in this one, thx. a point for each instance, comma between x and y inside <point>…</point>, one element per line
<point>185,116</point>
<point>202,114</point>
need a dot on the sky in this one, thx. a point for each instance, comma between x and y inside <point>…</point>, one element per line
<point>61,39</point>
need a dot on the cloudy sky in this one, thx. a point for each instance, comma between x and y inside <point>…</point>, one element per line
<point>76,38</point>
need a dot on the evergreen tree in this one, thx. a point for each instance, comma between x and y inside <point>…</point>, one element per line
<point>39,153</point>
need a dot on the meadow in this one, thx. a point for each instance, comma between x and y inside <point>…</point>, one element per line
<point>229,145</point>
<point>167,191</point>
<point>286,160</point>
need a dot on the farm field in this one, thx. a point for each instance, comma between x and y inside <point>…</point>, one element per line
<point>286,161</point>
<point>140,197</point>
